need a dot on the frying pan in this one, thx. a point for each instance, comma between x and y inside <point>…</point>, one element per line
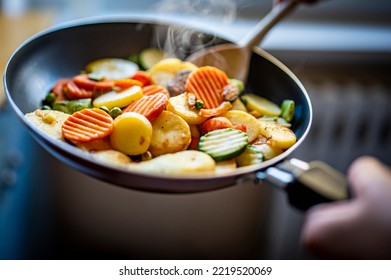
<point>63,50</point>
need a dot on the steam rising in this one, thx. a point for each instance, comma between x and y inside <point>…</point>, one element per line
<point>223,9</point>
<point>181,40</point>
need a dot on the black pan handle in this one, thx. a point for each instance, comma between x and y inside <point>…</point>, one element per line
<point>307,184</point>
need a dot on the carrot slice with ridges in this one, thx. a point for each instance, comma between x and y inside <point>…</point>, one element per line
<point>90,118</point>
<point>76,129</point>
<point>153,89</point>
<point>90,122</point>
<point>99,119</point>
<point>150,106</point>
<point>208,86</point>
<point>208,83</point>
<point>81,137</point>
<point>87,125</point>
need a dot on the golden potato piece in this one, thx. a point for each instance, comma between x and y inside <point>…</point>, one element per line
<point>239,117</point>
<point>269,151</point>
<point>120,99</point>
<point>180,106</point>
<point>181,163</point>
<point>48,121</point>
<point>226,166</point>
<point>262,105</point>
<point>112,157</point>
<point>170,134</point>
<point>238,105</point>
<point>165,70</point>
<point>279,136</point>
<point>131,134</point>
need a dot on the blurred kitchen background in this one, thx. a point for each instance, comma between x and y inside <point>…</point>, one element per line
<point>340,50</point>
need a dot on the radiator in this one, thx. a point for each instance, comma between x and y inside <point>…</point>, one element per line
<point>352,117</point>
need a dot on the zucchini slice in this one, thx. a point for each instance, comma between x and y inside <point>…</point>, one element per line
<point>111,68</point>
<point>223,144</point>
<point>252,155</point>
<point>71,106</point>
<point>276,120</point>
<point>287,109</point>
<point>150,56</point>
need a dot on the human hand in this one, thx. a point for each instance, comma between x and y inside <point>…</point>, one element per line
<point>359,228</point>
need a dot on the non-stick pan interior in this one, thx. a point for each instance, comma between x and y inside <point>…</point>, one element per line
<point>63,51</point>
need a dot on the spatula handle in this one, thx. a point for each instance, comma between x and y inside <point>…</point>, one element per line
<point>256,35</point>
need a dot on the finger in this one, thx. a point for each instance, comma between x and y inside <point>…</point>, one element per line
<point>366,174</point>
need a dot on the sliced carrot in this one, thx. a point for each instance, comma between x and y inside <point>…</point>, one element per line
<point>195,137</point>
<point>152,89</point>
<point>207,83</point>
<point>58,89</point>
<point>194,142</point>
<point>127,83</point>
<point>143,77</point>
<point>84,82</point>
<point>221,109</point>
<point>241,127</point>
<point>87,125</point>
<point>150,106</point>
<point>216,123</point>
<point>72,91</point>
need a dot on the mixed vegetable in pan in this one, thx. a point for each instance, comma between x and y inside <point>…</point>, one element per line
<point>166,116</point>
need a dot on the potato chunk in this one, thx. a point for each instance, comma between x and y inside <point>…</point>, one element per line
<point>171,134</point>
<point>279,136</point>
<point>131,134</point>
<point>269,151</point>
<point>48,121</point>
<point>226,166</point>
<point>112,157</point>
<point>239,117</point>
<point>165,70</point>
<point>180,106</point>
<point>262,105</point>
<point>120,99</point>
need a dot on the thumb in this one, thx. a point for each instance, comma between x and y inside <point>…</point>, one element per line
<point>326,225</point>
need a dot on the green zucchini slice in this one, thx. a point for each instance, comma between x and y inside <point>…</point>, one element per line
<point>252,155</point>
<point>223,144</point>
